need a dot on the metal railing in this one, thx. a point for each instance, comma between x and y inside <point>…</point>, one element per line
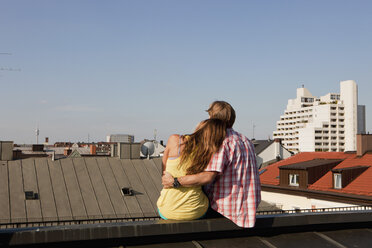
<point>316,210</point>
<point>29,222</point>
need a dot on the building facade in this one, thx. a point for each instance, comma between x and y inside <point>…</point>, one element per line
<point>122,138</point>
<point>327,123</point>
<point>269,152</point>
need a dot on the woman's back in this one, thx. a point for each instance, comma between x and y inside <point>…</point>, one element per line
<point>183,203</point>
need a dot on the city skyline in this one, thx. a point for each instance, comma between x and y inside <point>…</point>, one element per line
<point>91,68</point>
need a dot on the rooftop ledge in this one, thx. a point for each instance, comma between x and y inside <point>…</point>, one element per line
<point>160,231</point>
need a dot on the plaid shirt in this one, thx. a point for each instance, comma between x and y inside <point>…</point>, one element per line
<point>236,191</point>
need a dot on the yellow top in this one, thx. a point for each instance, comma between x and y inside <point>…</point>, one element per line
<point>183,203</point>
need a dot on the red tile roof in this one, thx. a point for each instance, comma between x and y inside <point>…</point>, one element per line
<point>362,185</point>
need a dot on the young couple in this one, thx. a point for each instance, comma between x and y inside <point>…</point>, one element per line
<point>218,158</point>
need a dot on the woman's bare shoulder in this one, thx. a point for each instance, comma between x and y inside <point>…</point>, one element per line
<point>173,139</point>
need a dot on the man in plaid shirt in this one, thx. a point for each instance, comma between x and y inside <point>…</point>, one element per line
<point>231,179</point>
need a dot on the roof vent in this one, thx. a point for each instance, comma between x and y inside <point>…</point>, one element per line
<point>127,191</point>
<point>30,195</point>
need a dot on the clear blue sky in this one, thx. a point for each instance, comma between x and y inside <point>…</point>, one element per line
<point>101,67</point>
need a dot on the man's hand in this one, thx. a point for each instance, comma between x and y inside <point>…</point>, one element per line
<point>167,180</point>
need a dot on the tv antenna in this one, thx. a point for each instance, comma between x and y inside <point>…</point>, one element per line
<point>37,131</point>
<point>253,127</point>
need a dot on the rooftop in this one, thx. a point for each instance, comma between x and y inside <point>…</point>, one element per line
<point>112,202</point>
<point>260,145</point>
<point>39,191</point>
<point>360,186</point>
<point>311,163</point>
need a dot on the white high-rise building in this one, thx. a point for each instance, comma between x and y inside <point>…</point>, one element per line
<point>327,123</point>
<point>124,138</point>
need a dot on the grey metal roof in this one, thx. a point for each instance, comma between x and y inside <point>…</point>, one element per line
<point>260,145</point>
<point>78,189</point>
<point>310,163</point>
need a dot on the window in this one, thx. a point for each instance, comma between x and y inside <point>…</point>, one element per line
<point>307,99</point>
<point>337,180</point>
<point>335,97</point>
<point>293,179</point>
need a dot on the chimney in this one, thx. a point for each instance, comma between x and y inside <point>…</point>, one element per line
<point>93,149</point>
<point>278,151</point>
<point>17,154</point>
<point>364,144</point>
<point>6,150</point>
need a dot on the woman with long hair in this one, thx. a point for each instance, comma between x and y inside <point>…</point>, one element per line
<point>187,155</point>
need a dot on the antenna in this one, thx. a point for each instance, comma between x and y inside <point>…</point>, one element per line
<point>254,126</point>
<point>155,131</point>
<point>37,134</point>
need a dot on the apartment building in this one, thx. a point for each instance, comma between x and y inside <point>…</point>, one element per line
<point>326,123</point>
<point>124,138</point>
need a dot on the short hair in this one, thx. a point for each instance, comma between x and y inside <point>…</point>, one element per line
<point>223,111</point>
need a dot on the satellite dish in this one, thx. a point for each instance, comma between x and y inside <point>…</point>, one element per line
<point>148,148</point>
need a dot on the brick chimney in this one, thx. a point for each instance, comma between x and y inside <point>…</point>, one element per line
<point>93,149</point>
<point>364,144</point>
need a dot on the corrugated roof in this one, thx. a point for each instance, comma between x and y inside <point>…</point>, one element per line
<point>80,190</point>
<point>76,189</point>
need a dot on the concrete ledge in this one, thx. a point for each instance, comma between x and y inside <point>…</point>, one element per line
<point>138,232</point>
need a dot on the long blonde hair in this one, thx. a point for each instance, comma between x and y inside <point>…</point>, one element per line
<point>202,144</point>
